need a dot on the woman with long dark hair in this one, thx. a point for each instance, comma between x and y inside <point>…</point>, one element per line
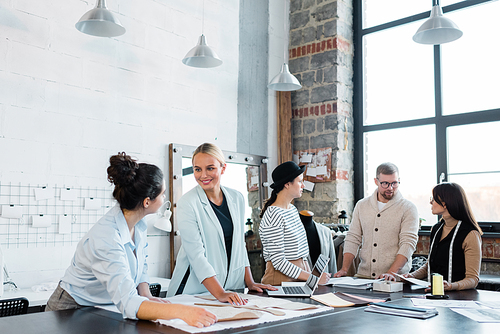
<point>282,233</point>
<point>109,265</point>
<point>457,234</point>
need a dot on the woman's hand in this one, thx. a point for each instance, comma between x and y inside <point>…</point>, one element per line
<point>324,278</point>
<point>408,276</point>
<point>447,286</point>
<point>232,298</point>
<point>259,287</point>
<point>197,316</point>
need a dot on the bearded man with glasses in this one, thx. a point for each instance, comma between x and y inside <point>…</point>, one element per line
<point>384,230</point>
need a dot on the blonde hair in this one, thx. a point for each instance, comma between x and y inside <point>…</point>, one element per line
<point>212,150</point>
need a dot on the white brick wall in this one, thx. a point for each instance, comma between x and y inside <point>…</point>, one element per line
<point>68,100</point>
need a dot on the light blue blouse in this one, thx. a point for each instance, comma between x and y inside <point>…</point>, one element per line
<point>104,269</point>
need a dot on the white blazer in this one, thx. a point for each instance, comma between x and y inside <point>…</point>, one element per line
<point>203,249</point>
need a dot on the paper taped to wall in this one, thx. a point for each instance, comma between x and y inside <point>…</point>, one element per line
<point>92,203</point>
<point>64,224</point>
<point>43,193</point>
<point>41,221</point>
<point>12,211</point>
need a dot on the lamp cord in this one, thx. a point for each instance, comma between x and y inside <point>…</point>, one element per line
<point>286,27</point>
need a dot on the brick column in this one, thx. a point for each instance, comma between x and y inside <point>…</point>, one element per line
<point>321,57</point>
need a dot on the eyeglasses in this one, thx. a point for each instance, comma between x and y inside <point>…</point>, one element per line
<point>386,184</point>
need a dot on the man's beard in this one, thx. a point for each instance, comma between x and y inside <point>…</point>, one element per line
<point>388,197</point>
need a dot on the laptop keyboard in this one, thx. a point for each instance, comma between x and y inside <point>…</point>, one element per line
<point>293,290</point>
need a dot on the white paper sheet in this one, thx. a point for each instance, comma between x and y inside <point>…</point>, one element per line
<point>266,317</point>
<point>68,194</point>
<point>415,281</point>
<point>43,193</point>
<point>306,158</point>
<point>479,315</point>
<point>311,171</point>
<point>309,186</point>
<point>321,170</point>
<point>12,211</point>
<point>41,221</point>
<point>419,302</point>
<point>92,204</point>
<point>64,224</point>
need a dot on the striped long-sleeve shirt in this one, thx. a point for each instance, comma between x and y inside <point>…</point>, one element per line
<point>283,239</point>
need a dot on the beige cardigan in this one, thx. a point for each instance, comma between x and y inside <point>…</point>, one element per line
<point>381,235</point>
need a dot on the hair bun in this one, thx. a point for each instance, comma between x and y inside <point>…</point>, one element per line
<point>122,169</point>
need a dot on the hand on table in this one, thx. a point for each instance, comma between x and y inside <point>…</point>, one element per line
<point>340,273</point>
<point>232,298</point>
<point>387,277</point>
<point>198,317</point>
<point>259,287</point>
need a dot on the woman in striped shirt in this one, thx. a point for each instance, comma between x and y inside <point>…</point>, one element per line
<point>282,233</point>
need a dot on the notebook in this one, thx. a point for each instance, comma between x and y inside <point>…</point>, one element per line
<point>304,289</point>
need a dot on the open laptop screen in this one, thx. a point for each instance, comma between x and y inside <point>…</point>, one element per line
<point>318,269</point>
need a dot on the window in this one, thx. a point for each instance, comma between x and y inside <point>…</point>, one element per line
<point>434,111</point>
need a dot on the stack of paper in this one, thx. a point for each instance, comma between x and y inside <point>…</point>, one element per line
<point>352,283</point>
<point>405,311</point>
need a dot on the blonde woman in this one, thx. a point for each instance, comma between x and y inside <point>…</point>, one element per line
<point>213,256</point>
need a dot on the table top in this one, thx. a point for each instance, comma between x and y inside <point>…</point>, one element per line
<point>41,297</point>
<point>343,320</point>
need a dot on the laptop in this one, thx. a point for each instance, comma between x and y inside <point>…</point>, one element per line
<point>300,289</point>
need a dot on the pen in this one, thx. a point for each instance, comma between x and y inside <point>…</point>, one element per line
<point>413,296</point>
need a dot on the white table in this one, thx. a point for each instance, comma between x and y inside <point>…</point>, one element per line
<point>41,298</point>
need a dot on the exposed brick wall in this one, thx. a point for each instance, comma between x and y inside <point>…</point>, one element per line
<point>320,56</point>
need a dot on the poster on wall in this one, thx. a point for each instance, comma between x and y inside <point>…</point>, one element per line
<point>318,162</point>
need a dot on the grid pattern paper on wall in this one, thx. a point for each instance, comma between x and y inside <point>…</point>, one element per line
<point>69,213</point>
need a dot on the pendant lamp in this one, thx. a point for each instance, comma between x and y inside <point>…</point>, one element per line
<point>285,81</point>
<point>437,29</point>
<point>202,55</point>
<point>100,22</point>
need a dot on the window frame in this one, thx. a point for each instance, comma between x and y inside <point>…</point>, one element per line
<point>441,122</point>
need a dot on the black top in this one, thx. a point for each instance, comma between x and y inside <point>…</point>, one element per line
<point>312,237</point>
<point>439,253</point>
<point>224,217</point>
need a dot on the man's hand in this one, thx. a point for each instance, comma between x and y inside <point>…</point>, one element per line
<point>387,277</point>
<point>340,273</point>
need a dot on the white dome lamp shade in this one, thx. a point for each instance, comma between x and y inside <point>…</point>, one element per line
<point>285,81</point>
<point>100,22</point>
<point>437,29</point>
<point>202,55</point>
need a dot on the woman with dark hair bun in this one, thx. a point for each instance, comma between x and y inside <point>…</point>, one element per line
<point>457,234</point>
<point>109,265</point>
